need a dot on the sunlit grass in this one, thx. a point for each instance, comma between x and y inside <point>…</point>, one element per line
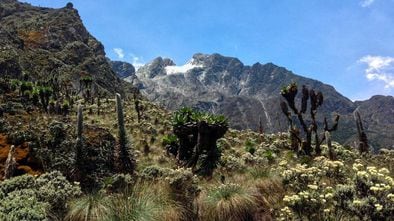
<point>141,203</point>
<point>94,207</point>
<point>227,202</point>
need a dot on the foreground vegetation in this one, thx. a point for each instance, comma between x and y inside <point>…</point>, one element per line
<point>67,172</point>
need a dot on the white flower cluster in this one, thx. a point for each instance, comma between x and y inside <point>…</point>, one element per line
<point>232,163</point>
<point>286,214</point>
<point>250,159</point>
<point>300,175</point>
<point>327,187</point>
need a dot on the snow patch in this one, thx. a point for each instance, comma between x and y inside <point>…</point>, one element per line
<point>182,69</point>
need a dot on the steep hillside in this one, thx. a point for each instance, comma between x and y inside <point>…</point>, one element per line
<point>378,115</point>
<point>258,176</point>
<point>51,44</point>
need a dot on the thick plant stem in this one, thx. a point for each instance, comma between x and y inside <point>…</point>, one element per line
<point>79,142</point>
<point>362,136</point>
<point>331,154</point>
<point>310,130</point>
<point>80,122</point>
<point>127,163</point>
<point>137,106</point>
<point>10,163</point>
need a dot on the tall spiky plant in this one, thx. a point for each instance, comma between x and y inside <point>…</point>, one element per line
<point>10,163</point>
<point>79,142</point>
<point>137,106</point>
<point>128,164</point>
<point>331,155</point>
<point>362,136</point>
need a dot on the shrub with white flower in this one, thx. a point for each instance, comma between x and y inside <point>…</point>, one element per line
<point>373,187</point>
<point>328,190</point>
<point>231,163</point>
<point>35,198</point>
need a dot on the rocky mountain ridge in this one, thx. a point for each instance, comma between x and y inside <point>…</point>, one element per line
<point>248,94</point>
<point>52,44</point>
<point>122,69</point>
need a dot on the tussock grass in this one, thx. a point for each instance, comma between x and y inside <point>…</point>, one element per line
<point>259,172</point>
<point>271,190</point>
<point>227,202</point>
<point>92,207</point>
<point>141,203</point>
<point>148,203</point>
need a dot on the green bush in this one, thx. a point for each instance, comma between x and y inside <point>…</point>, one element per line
<point>170,139</point>
<point>187,115</point>
<point>118,182</point>
<point>15,84</point>
<point>35,198</point>
<point>270,155</point>
<point>250,146</point>
<point>23,205</point>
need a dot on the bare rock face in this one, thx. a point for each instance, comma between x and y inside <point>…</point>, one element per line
<point>224,85</point>
<point>122,69</point>
<point>377,114</point>
<point>51,43</point>
<point>156,67</point>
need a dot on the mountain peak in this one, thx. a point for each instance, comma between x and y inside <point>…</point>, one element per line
<point>220,84</point>
<point>163,62</point>
<point>214,59</point>
<point>122,69</point>
<point>157,67</point>
<point>62,46</point>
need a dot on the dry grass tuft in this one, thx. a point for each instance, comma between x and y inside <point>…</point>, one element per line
<point>227,202</point>
<point>143,202</point>
<point>271,190</point>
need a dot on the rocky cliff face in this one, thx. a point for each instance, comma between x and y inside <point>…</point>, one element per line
<point>244,93</point>
<point>378,117</point>
<point>122,69</point>
<point>49,43</point>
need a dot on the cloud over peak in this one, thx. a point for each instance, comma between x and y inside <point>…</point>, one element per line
<point>379,68</point>
<point>136,61</point>
<point>119,52</point>
<point>366,3</point>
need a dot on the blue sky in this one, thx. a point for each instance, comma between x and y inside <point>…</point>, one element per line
<point>346,43</point>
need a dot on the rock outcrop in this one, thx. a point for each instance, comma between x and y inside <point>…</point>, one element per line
<point>47,43</point>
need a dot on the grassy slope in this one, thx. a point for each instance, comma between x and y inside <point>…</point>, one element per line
<point>260,171</point>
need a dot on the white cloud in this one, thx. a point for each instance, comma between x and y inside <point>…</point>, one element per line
<point>379,68</point>
<point>136,61</point>
<point>366,3</point>
<point>119,52</point>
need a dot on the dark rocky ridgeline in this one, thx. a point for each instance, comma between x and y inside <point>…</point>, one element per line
<point>225,85</point>
<point>377,115</point>
<point>245,94</point>
<point>122,69</point>
<point>50,43</point>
